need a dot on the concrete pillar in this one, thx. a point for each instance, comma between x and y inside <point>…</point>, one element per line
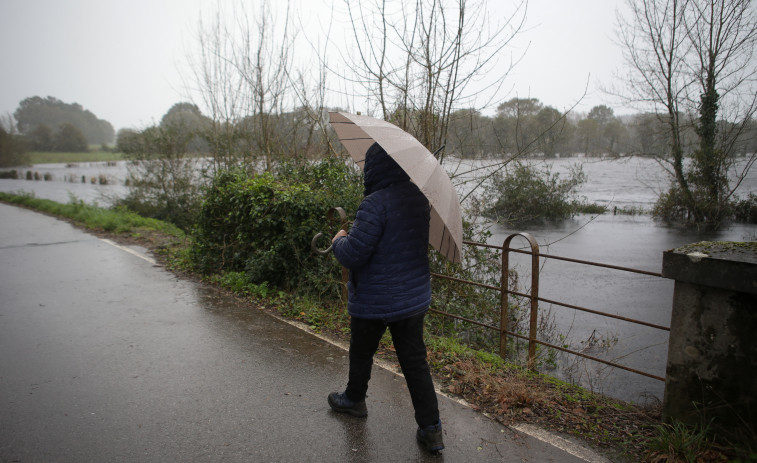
<point>712,354</point>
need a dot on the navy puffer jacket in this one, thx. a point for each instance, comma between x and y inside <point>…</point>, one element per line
<point>386,250</point>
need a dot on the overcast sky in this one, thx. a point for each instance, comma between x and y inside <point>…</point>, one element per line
<point>123,60</point>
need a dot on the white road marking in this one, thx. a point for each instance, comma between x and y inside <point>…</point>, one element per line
<point>130,251</point>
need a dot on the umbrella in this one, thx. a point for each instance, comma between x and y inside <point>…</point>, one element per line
<point>357,133</point>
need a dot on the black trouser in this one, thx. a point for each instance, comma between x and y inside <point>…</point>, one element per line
<point>407,336</point>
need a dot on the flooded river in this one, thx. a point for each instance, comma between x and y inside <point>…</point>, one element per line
<point>634,241</point>
<point>629,241</point>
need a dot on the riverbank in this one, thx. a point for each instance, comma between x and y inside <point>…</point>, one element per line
<point>507,393</point>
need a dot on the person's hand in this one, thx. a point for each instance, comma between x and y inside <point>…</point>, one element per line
<point>339,234</point>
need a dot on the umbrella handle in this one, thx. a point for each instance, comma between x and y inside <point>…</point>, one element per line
<point>314,246</point>
<point>335,214</point>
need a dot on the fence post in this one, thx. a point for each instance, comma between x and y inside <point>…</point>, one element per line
<point>504,298</point>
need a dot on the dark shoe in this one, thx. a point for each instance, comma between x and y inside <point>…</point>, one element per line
<point>431,437</point>
<point>340,403</point>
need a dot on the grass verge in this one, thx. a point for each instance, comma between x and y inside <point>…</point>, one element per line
<point>41,157</point>
<point>508,393</point>
<point>92,217</point>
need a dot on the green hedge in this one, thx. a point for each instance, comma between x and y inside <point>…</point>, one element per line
<point>262,225</point>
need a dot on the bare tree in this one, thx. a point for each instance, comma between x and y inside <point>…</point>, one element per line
<point>420,61</point>
<point>242,75</point>
<point>264,64</point>
<point>221,88</point>
<point>690,61</point>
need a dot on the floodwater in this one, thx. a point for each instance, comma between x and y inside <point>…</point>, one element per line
<point>628,241</point>
<point>91,182</point>
<point>624,240</point>
<point>632,241</point>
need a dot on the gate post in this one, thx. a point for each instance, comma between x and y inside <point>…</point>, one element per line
<point>712,353</point>
<point>505,291</point>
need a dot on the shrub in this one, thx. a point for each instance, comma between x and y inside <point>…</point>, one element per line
<point>165,180</point>
<point>12,174</point>
<point>263,224</point>
<point>525,194</point>
<point>13,149</point>
<point>745,210</point>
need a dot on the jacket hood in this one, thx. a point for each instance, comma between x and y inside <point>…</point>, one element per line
<point>380,170</point>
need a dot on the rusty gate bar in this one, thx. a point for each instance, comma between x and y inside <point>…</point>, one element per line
<point>596,312</point>
<point>535,299</point>
<point>594,264</point>
<point>505,295</point>
<point>569,259</point>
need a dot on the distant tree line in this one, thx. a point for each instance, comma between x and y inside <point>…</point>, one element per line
<point>520,128</point>
<point>52,125</point>
<point>526,127</point>
<point>185,130</point>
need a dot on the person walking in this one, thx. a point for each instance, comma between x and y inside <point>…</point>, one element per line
<point>386,252</point>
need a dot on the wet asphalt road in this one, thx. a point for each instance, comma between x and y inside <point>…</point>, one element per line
<point>105,357</point>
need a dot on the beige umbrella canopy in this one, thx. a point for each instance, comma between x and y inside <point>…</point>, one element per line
<point>358,133</point>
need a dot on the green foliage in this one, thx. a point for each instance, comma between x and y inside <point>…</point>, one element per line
<point>340,183</point>
<point>745,210</point>
<point>525,194</point>
<point>319,316</point>
<point>679,442</point>
<point>451,350</point>
<point>671,205</point>
<point>116,220</point>
<point>698,205</point>
<point>262,225</point>
<point>239,283</point>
